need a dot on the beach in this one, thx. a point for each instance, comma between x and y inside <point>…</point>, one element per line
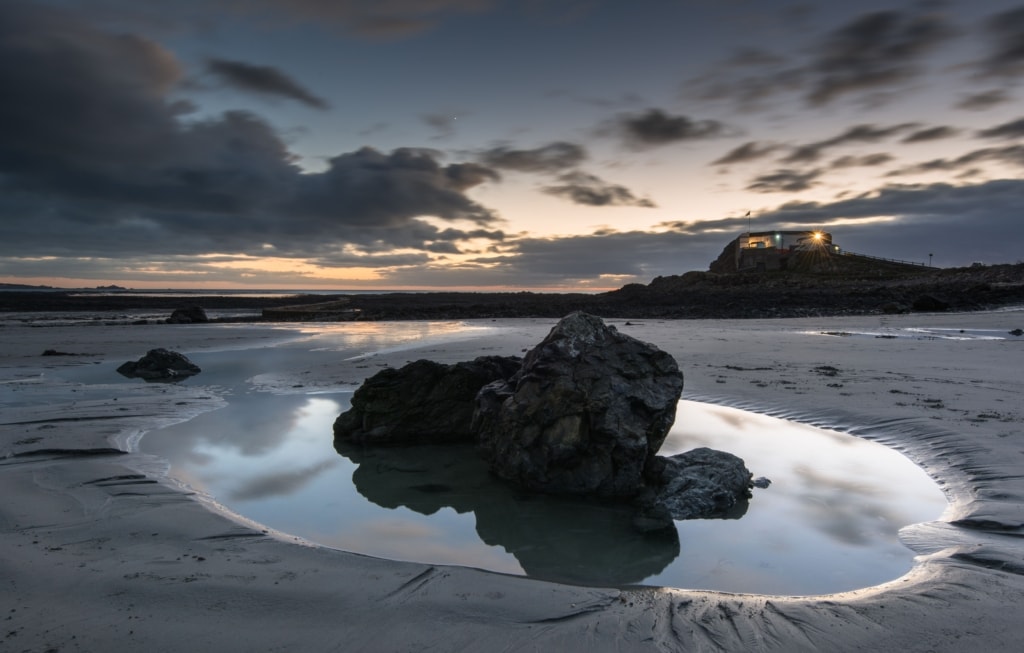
<point>102,550</point>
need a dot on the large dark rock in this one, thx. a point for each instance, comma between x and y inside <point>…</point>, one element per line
<point>697,484</point>
<point>420,403</point>
<point>190,315</point>
<point>587,411</point>
<point>160,365</point>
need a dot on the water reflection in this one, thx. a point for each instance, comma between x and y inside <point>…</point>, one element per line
<point>828,522</point>
<point>554,538</point>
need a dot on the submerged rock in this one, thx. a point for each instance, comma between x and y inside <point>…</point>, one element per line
<point>422,402</point>
<point>587,411</point>
<point>160,365</point>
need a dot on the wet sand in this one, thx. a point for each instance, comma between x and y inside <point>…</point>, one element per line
<point>99,550</point>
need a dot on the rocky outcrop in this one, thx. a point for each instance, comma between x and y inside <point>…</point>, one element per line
<point>697,484</point>
<point>587,411</point>
<point>189,315</point>
<point>422,402</point>
<point>160,365</point>
<point>582,415</point>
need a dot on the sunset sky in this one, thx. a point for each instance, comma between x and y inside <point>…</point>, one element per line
<point>497,144</point>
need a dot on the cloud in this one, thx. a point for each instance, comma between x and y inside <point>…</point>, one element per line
<point>264,80</point>
<point>1012,129</point>
<point>930,134</point>
<point>553,157</point>
<point>654,128</point>
<point>750,151</point>
<point>443,124</point>
<point>95,140</point>
<point>984,100</point>
<point>784,181</point>
<point>1012,155</point>
<point>865,161</point>
<point>590,190</point>
<point>864,133</point>
<point>561,158</point>
<point>874,51</point>
<point>1005,33</point>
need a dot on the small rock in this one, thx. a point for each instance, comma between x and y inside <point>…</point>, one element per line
<point>160,365</point>
<point>189,315</point>
<point>698,484</point>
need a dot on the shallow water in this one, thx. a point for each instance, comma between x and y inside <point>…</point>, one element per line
<point>829,522</point>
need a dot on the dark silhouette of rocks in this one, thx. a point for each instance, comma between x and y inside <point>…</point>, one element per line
<point>422,402</point>
<point>160,365</point>
<point>586,412</point>
<point>189,315</point>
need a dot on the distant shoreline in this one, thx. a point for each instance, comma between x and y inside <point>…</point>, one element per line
<point>694,295</point>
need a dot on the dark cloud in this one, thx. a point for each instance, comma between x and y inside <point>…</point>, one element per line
<point>590,190</point>
<point>1010,155</point>
<point>864,161</point>
<point>553,157</point>
<point>930,134</point>
<point>984,100</point>
<point>443,124</point>
<point>784,181</point>
<point>1005,39</point>
<point>1012,129</point>
<point>866,133</point>
<point>750,151</point>
<point>265,80</point>
<point>94,141</point>
<point>872,54</point>
<point>874,51</point>
<point>654,128</point>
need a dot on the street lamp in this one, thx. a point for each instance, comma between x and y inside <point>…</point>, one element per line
<point>929,260</point>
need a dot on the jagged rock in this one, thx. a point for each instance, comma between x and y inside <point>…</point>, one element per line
<point>422,402</point>
<point>160,365</point>
<point>586,412</point>
<point>190,315</point>
<point>1017,332</point>
<point>697,484</point>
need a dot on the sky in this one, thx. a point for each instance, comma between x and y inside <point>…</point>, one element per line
<point>497,144</point>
